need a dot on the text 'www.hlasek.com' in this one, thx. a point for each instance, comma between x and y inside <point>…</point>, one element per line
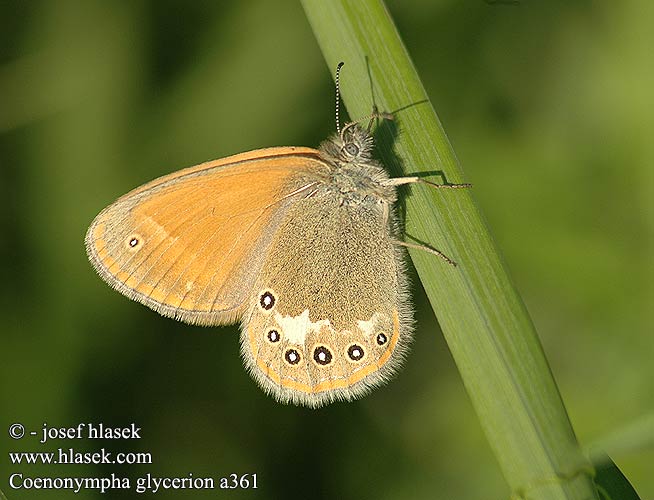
<point>71,449</point>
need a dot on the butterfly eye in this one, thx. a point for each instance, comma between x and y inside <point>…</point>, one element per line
<point>292,357</point>
<point>381,338</point>
<point>351,149</point>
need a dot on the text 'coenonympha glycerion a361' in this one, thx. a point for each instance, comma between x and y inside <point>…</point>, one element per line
<point>297,244</point>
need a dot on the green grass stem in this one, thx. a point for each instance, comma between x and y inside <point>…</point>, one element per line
<point>484,321</point>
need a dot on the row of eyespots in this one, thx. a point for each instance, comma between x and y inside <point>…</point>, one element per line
<point>322,355</point>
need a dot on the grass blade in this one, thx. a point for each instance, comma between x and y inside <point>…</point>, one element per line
<point>486,325</point>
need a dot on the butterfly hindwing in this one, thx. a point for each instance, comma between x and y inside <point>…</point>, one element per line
<point>324,322</point>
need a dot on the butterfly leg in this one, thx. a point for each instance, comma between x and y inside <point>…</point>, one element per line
<point>426,249</point>
<point>400,181</point>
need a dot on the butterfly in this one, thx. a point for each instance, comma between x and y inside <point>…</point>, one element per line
<point>299,245</point>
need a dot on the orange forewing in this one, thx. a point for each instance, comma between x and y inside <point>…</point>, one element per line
<point>180,244</point>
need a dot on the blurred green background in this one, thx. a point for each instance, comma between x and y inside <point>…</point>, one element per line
<point>549,108</point>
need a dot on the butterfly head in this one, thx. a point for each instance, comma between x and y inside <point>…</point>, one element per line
<point>355,144</point>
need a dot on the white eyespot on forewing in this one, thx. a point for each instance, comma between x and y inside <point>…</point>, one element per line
<point>134,242</point>
<point>296,328</point>
<point>156,231</point>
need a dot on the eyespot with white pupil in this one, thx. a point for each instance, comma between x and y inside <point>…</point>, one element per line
<point>355,352</point>
<point>292,357</point>
<point>322,355</point>
<point>273,336</point>
<point>267,301</point>
<point>133,242</point>
<point>381,339</point>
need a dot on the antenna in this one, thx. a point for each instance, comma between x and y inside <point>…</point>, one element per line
<point>374,115</point>
<point>338,96</point>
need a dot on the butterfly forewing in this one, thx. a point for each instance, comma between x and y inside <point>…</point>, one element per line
<point>190,244</point>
